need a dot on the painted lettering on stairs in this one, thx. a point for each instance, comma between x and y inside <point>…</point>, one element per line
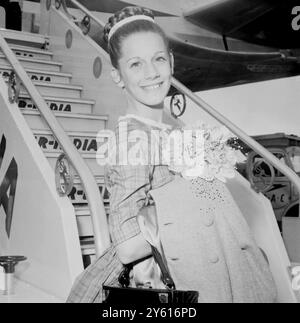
<point>78,196</point>
<point>23,54</point>
<point>34,77</point>
<point>41,78</point>
<point>85,144</point>
<point>48,143</point>
<point>28,104</point>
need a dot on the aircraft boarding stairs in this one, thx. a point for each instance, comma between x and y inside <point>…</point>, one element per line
<point>73,112</point>
<point>54,232</point>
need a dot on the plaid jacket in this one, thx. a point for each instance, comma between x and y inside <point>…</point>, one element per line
<point>129,188</point>
<point>129,185</point>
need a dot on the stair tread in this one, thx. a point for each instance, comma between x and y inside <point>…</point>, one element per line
<point>70,133</point>
<point>31,49</point>
<point>71,115</point>
<point>87,246</point>
<point>99,179</point>
<point>87,243</point>
<point>23,35</point>
<point>85,155</point>
<point>82,210</point>
<point>33,60</point>
<point>27,33</point>
<point>60,99</point>
<point>58,85</point>
<point>30,70</point>
<point>85,210</point>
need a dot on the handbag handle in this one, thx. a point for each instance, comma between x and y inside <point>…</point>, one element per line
<point>167,280</point>
<point>166,276</point>
<point>149,228</point>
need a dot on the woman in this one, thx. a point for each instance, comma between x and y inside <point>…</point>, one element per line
<point>142,67</point>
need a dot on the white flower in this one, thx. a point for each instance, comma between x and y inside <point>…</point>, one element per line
<point>214,158</point>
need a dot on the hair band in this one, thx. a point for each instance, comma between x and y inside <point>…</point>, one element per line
<point>127,20</point>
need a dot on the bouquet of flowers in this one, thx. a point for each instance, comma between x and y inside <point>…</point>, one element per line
<point>210,156</point>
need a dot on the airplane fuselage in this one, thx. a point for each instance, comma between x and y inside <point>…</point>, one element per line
<point>204,58</point>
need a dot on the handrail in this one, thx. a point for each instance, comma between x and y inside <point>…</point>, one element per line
<point>94,198</point>
<point>258,148</point>
<point>82,8</point>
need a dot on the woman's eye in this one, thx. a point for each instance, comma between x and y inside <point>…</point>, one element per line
<point>161,59</point>
<point>135,65</point>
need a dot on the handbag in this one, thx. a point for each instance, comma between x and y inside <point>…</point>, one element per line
<point>134,295</point>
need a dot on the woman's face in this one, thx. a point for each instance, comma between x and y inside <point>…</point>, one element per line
<point>145,68</point>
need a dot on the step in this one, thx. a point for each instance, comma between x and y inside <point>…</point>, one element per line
<point>90,160</point>
<point>84,224</point>
<point>88,246</point>
<point>56,90</point>
<point>30,52</point>
<point>77,195</point>
<point>39,75</point>
<point>34,63</point>
<point>69,121</point>
<point>24,38</point>
<point>85,142</point>
<point>67,105</point>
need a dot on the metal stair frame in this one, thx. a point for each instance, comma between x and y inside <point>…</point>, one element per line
<point>89,184</point>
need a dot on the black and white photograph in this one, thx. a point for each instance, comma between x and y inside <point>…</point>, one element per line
<point>149,154</point>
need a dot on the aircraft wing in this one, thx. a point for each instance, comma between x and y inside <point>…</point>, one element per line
<point>263,22</point>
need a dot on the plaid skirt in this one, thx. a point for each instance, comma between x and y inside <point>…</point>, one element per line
<point>87,288</point>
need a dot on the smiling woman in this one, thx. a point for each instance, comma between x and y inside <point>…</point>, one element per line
<point>144,71</point>
<point>201,236</point>
<point>143,65</point>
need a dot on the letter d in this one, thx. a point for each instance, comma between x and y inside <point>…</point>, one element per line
<point>192,312</point>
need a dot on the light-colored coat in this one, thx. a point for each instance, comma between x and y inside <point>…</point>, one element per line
<point>208,244</point>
